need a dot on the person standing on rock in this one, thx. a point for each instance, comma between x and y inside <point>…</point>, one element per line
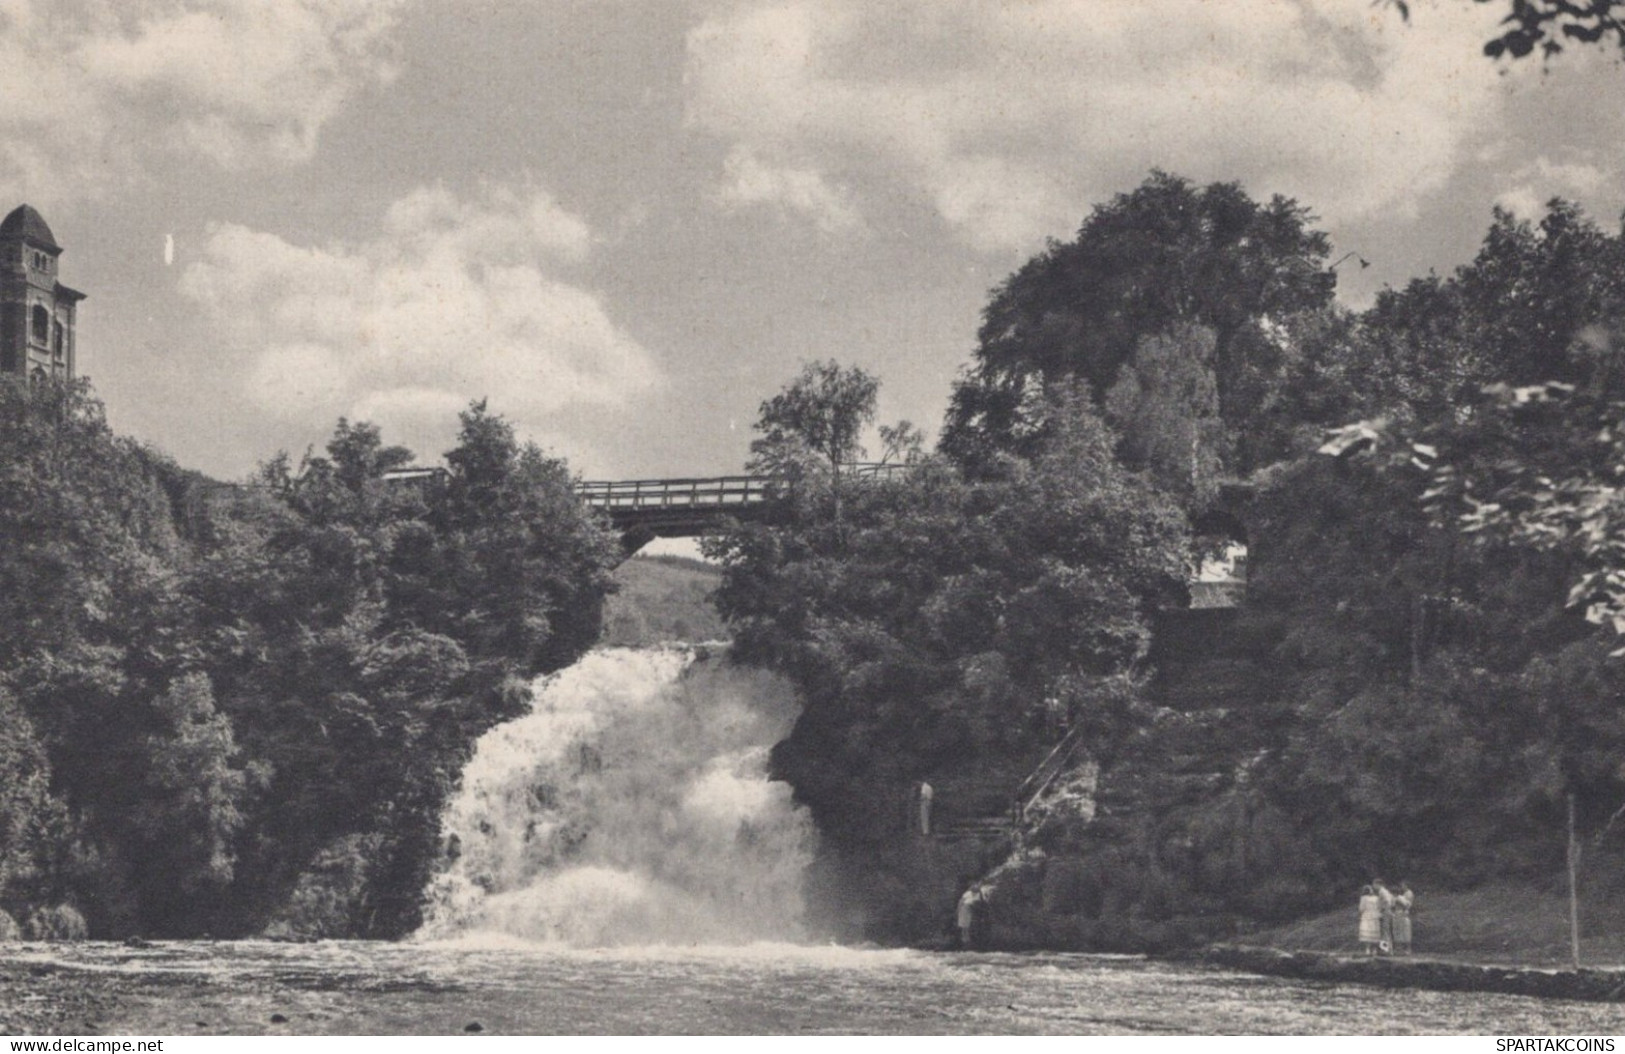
<point>1370,919</point>
<point>981,918</point>
<point>965,916</point>
<point>1403,901</point>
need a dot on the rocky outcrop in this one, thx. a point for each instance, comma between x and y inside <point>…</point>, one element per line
<point>1165,842</point>
<point>881,877</point>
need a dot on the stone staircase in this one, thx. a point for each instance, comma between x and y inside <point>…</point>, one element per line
<point>1211,724</point>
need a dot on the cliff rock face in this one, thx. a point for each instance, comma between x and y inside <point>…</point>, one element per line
<point>883,877</point>
<point>1165,842</point>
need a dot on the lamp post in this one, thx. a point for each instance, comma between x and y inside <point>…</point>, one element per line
<point>1574,900</point>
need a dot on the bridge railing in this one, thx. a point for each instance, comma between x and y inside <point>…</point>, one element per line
<point>714,493</point>
<point>878,470</point>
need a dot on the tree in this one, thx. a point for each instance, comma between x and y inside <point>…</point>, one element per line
<point>193,795</point>
<point>820,415</point>
<point>1532,291</point>
<point>1166,408</point>
<point>1164,256</point>
<point>1505,392</point>
<point>31,819</point>
<point>513,565</point>
<point>1546,24</point>
<point>1426,680</point>
<point>1539,466</point>
<point>361,635</point>
<point>814,426</point>
<point>358,456</point>
<point>92,624</point>
<point>1396,675</point>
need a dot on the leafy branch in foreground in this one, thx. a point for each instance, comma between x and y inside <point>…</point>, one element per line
<point>1546,25</point>
<point>1536,466</point>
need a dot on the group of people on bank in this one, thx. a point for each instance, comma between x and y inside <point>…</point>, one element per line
<point>1385,918</point>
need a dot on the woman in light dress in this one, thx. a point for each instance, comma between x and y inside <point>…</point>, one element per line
<point>1370,919</point>
<point>1403,900</point>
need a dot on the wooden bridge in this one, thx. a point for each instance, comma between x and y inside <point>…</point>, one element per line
<point>646,509</point>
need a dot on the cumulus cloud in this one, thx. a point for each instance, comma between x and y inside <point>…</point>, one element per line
<point>94,88</point>
<point>797,190</point>
<point>1537,183</point>
<point>452,300</point>
<point>1011,119</point>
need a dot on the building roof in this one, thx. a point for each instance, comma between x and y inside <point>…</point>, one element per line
<point>26,223</point>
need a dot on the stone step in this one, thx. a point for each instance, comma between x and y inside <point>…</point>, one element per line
<point>978,827</point>
<point>1205,689</point>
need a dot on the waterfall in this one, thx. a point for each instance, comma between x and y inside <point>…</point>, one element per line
<point>630,806</point>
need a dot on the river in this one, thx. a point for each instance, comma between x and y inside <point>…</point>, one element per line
<point>511,987</point>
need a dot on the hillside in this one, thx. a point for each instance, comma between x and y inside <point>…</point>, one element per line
<point>662,598</point>
<point>1503,923</point>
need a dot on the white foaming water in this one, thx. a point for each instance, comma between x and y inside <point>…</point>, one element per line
<point>631,806</point>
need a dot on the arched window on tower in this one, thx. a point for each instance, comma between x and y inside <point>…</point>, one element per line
<point>41,324</point>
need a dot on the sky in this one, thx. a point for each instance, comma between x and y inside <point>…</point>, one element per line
<point>625,223</point>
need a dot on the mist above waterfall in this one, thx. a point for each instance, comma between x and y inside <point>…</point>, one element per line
<point>631,806</point>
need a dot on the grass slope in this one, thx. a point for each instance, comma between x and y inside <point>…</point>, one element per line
<point>663,598</point>
<point>1526,925</point>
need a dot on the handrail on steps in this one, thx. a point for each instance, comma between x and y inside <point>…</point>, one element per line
<point>1042,776</point>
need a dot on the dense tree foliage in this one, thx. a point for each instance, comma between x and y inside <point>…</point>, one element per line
<point>1166,408</point>
<point>1418,585</point>
<point>209,693</point>
<point>949,616</point>
<point>1430,492</point>
<point>940,626</point>
<point>1167,256</point>
<point>1426,572</point>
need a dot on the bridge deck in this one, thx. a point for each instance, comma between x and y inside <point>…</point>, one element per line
<point>643,509</point>
<point>717,492</point>
<point>709,492</point>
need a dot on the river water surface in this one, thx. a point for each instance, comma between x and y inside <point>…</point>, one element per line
<point>441,988</point>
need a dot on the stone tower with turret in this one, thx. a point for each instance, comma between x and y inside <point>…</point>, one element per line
<point>36,310</point>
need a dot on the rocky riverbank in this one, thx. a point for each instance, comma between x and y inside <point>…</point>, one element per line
<point>1590,985</point>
